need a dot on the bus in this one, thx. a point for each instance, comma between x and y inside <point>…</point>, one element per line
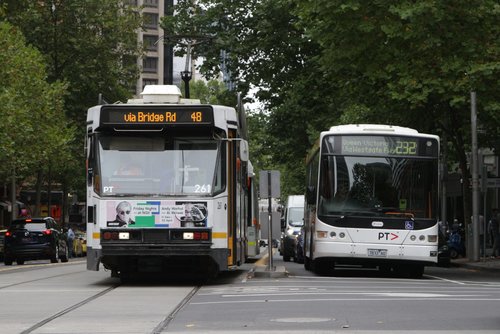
<point>169,186</point>
<point>372,200</point>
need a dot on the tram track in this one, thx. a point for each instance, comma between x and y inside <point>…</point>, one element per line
<point>164,324</point>
<point>69,309</point>
<point>154,303</point>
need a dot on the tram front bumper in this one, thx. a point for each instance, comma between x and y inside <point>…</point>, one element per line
<point>111,255</point>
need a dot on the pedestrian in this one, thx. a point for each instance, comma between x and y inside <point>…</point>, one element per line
<point>496,233</point>
<point>70,239</point>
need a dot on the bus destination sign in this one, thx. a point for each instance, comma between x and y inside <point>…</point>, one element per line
<point>119,115</point>
<point>372,145</point>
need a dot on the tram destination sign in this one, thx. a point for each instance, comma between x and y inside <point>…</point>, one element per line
<point>148,115</point>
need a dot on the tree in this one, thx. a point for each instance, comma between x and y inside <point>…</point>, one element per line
<point>211,92</point>
<point>33,128</point>
<point>92,46</point>
<point>264,47</point>
<point>413,63</point>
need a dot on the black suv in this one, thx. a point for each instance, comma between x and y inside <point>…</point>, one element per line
<point>34,239</point>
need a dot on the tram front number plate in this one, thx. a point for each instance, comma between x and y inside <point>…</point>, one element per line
<point>377,252</point>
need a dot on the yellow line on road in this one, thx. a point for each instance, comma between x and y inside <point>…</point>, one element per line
<point>263,260</point>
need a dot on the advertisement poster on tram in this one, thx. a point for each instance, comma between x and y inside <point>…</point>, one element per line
<point>173,214</point>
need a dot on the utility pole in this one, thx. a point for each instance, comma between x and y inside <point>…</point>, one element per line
<point>474,254</point>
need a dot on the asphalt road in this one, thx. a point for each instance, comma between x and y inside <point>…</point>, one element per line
<point>66,298</point>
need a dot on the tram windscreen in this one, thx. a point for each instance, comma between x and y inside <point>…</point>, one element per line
<point>357,185</point>
<point>132,165</point>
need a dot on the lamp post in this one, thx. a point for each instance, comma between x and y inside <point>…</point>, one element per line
<point>474,244</point>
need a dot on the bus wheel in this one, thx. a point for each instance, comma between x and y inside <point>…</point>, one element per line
<point>323,267</point>
<point>385,269</point>
<point>416,271</point>
<point>125,277</point>
<point>307,263</point>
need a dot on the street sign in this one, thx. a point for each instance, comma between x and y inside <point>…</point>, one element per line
<point>492,182</point>
<point>269,184</point>
<point>264,225</point>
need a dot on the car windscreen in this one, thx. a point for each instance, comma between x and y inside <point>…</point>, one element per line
<point>36,227</point>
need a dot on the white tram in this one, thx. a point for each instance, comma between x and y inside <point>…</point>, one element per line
<point>169,186</point>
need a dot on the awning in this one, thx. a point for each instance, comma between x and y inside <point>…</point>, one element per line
<point>6,205</point>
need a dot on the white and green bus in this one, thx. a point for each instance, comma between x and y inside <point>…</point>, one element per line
<point>372,199</point>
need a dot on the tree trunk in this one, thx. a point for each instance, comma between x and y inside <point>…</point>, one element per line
<point>38,194</point>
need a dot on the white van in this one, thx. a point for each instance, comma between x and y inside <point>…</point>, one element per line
<point>291,223</point>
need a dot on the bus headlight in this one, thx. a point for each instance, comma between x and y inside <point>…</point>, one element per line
<point>432,238</point>
<point>321,234</point>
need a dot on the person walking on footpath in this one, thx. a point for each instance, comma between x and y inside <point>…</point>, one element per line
<point>496,233</point>
<point>71,237</point>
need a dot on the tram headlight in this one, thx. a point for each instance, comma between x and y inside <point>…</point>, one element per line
<point>421,237</point>
<point>124,236</point>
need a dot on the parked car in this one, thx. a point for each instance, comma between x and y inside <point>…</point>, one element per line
<point>299,247</point>
<point>34,239</point>
<point>2,237</point>
<point>80,244</point>
<point>291,222</point>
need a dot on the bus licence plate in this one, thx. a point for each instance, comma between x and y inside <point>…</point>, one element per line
<point>377,252</point>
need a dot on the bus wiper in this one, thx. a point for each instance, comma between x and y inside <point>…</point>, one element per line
<point>350,213</point>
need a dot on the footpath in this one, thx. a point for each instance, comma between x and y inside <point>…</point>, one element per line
<point>486,264</point>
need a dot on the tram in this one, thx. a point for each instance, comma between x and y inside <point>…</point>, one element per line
<point>169,186</point>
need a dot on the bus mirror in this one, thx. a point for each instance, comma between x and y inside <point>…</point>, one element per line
<point>311,194</point>
<point>243,150</point>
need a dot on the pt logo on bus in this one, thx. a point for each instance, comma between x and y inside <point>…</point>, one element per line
<point>387,236</point>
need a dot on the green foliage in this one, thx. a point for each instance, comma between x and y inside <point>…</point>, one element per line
<point>211,92</point>
<point>91,45</point>
<point>33,128</point>
<point>329,62</point>
<point>264,47</point>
